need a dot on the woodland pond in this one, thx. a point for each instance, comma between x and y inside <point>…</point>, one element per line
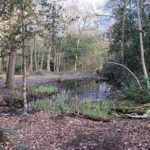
<point>93,90</point>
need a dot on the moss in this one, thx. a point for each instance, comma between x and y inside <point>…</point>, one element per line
<point>128,108</point>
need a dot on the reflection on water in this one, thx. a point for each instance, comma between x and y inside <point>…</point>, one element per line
<point>92,90</point>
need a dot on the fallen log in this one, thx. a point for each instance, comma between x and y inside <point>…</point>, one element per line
<point>138,116</point>
<point>85,116</point>
<point>132,108</point>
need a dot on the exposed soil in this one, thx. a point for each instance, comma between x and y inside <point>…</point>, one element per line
<point>42,131</point>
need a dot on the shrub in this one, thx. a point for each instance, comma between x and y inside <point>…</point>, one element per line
<point>134,93</point>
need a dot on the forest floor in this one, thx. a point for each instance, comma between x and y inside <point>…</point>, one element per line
<point>42,131</point>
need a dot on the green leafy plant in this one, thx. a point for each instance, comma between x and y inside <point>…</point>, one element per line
<point>61,108</point>
<point>98,109</point>
<point>65,105</point>
<point>35,91</point>
<point>40,105</point>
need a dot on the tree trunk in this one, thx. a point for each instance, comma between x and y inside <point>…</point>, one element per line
<point>125,67</point>
<point>41,65</point>
<point>76,57</point>
<point>48,58</point>
<point>35,53</point>
<point>1,67</point>
<point>10,76</point>
<point>142,46</point>
<point>58,61</point>
<point>31,61</point>
<point>1,2</point>
<point>123,30</point>
<point>24,83</point>
<point>24,80</point>
<point>76,61</point>
<point>3,64</point>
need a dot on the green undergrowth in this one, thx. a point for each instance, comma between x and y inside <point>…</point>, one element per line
<point>133,93</point>
<point>14,102</point>
<point>65,105</point>
<point>40,90</point>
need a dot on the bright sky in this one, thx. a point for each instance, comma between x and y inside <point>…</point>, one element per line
<point>92,1</point>
<point>89,6</point>
<point>86,3</point>
<point>82,3</point>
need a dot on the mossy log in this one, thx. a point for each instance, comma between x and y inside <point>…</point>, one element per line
<point>85,116</point>
<point>132,108</point>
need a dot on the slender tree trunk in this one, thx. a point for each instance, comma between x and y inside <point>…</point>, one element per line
<point>31,61</point>
<point>75,65</point>
<point>142,45</point>
<point>10,76</point>
<point>123,30</point>
<point>59,61</point>
<point>35,53</point>
<point>1,65</point>
<point>48,58</point>
<point>1,2</point>
<point>41,65</point>
<point>24,84</point>
<point>4,64</point>
<point>38,60</point>
<point>125,67</point>
<point>76,57</point>
<point>24,80</point>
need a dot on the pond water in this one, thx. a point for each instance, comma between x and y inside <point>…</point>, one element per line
<point>85,89</point>
<point>92,90</point>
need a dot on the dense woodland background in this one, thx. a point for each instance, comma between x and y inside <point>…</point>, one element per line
<point>40,36</point>
<point>55,54</point>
